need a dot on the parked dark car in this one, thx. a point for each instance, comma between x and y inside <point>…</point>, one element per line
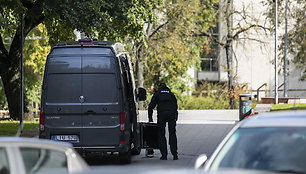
<point>89,98</point>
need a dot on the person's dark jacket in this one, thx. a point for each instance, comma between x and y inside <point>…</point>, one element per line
<point>165,101</point>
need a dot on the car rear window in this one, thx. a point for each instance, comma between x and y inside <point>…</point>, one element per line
<point>81,50</point>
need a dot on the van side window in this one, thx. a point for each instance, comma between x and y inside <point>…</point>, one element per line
<point>125,75</point>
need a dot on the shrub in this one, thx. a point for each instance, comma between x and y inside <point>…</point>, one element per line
<point>206,102</point>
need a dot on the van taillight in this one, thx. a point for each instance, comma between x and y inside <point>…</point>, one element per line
<point>42,122</point>
<point>122,121</point>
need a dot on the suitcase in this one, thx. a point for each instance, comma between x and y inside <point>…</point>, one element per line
<point>149,135</point>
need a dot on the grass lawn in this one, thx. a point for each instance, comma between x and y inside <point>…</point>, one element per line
<point>286,107</point>
<point>10,128</point>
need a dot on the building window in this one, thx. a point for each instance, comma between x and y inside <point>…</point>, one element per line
<point>209,64</point>
<point>209,61</point>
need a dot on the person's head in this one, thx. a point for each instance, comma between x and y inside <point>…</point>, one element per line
<point>162,85</point>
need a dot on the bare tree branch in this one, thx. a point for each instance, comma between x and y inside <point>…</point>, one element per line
<point>248,28</point>
<point>138,45</point>
<point>235,56</point>
<point>253,39</point>
<point>210,35</point>
<point>158,28</point>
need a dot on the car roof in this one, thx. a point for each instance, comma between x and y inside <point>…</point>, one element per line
<point>276,119</point>
<point>24,140</point>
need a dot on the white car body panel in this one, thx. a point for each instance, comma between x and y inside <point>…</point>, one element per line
<point>75,162</point>
<point>273,119</point>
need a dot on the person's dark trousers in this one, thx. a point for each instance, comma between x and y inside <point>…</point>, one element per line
<point>172,137</point>
<point>161,123</point>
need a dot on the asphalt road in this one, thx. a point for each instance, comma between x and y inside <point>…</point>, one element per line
<point>198,132</point>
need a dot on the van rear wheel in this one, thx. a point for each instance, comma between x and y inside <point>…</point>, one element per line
<point>136,151</point>
<point>125,157</point>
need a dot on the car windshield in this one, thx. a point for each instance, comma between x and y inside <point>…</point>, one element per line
<point>273,149</point>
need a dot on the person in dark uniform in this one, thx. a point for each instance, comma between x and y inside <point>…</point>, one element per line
<point>166,113</point>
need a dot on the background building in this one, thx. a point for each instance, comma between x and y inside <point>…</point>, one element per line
<point>253,55</point>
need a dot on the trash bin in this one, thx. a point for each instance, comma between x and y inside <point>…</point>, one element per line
<point>245,105</point>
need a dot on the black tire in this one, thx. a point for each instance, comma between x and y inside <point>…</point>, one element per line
<point>136,151</point>
<point>125,157</point>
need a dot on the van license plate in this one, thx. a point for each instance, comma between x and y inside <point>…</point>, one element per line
<point>70,138</point>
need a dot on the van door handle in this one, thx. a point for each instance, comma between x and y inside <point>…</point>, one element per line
<point>82,99</point>
<point>91,112</point>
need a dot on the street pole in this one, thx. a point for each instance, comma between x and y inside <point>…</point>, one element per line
<point>285,51</point>
<point>275,58</point>
<point>21,78</point>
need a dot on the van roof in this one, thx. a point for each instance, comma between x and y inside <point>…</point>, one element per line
<point>116,46</point>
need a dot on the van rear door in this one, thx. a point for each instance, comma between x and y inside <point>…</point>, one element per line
<point>101,109</point>
<point>82,97</point>
<point>63,111</point>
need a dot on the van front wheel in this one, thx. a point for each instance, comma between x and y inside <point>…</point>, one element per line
<point>125,157</point>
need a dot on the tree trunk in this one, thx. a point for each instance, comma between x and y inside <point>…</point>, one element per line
<point>11,82</point>
<point>10,60</point>
<point>230,86</point>
<point>139,71</point>
<point>228,50</point>
<point>140,79</point>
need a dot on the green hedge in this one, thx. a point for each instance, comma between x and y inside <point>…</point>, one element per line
<point>206,102</point>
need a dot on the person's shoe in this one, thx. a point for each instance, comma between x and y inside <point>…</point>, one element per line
<point>163,158</point>
<point>150,153</point>
<point>175,157</point>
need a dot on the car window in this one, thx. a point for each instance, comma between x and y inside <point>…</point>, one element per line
<point>39,161</point>
<point>274,149</point>
<point>4,165</point>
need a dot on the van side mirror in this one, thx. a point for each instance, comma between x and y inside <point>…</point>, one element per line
<point>142,94</point>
